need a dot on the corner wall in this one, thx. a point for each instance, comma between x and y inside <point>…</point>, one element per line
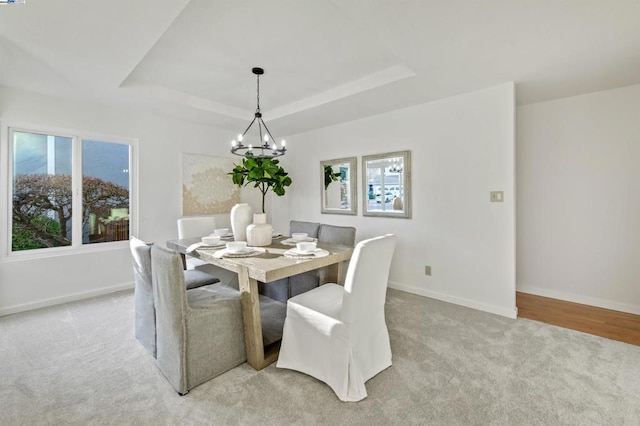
<point>462,148</point>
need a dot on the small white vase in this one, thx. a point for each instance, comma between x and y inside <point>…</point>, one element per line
<point>259,233</point>
<point>240,218</point>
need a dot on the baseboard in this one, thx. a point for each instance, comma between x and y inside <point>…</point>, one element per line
<point>577,298</point>
<point>509,313</point>
<point>64,299</point>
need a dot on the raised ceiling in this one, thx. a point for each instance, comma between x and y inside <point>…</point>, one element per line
<point>326,62</point>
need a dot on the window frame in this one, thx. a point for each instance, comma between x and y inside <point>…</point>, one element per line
<point>6,191</point>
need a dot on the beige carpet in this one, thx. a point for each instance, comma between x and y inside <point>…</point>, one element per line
<point>78,364</point>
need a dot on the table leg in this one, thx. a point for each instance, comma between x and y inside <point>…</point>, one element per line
<point>184,261</point>
<point>251,317</point>
<point>340,271</point>
<point>335,274</point>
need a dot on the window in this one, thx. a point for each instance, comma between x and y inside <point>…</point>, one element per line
<point>67,191</point>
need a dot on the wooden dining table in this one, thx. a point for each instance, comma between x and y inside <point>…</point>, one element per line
<point>266,267</point>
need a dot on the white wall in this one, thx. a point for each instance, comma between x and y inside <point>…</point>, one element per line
<point>578,215</point>
<point>26,284</point>
<point>462,148</point>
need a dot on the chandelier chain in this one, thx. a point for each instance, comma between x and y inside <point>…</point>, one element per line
<point>258,94</point>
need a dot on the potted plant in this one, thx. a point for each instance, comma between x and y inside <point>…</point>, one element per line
<point>265,174</point>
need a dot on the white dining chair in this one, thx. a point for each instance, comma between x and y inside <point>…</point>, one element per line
<point>338,334</point>
<point>197,227</point>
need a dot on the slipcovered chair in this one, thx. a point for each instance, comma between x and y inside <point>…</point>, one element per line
<point>345,235</point>
<point>145,316</point>
<point>279,289</point>
<point>311,228</point>
<point>197,227</point>
<point>338,334</point>
<point>200,331</point>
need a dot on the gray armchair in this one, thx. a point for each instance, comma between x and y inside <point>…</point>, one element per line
<point>199,332</point>
<point>145,313</point>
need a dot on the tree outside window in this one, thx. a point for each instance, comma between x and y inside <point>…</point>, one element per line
<point>44,210</point>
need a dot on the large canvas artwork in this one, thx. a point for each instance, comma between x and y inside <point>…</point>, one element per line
<point>206,187</point>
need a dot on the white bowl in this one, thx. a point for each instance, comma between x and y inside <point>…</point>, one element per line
<point>299,236</point>
<point>221,232</point>
<point>306,247</point>
<point>211,240</point>
<point>236,246</point>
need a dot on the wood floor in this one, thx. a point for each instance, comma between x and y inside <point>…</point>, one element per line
<point>588,319</point>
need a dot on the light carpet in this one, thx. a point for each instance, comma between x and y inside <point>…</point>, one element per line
<point>79,364</point>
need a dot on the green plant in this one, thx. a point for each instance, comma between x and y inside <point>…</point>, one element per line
<point>264,173</point>
<point>329,176</point>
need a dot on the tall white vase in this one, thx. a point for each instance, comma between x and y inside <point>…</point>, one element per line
<point>241,216</point>
<point>259,233</point>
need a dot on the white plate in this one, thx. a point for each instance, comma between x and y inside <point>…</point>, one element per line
<point>247,252</point>
<point>307,253</point>
<point>292,242</point>
<point>294,253</point>
<point>201,245</point>
<point>214,246</point>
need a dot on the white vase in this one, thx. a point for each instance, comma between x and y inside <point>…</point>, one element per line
<point>259,233</point>
<point>241,215</point>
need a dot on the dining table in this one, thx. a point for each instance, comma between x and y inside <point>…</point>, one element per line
<point>269,265</point>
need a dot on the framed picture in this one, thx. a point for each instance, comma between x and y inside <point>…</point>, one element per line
<point>206,186</point>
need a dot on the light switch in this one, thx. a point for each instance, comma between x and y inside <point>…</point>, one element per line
<point>496,196</point>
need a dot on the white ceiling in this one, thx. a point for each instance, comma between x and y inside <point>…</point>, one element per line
<point>325,61</point>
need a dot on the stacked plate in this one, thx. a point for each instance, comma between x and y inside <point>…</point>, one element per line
<point>246,252</point>
<point>292,242</point>
<point>294,253</point>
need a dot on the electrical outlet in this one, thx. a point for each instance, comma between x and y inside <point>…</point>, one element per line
<point>496,196</point>
<point>427,270</point>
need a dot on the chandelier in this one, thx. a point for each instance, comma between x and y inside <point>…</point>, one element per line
<point>267,147</point>
<point>395,168</point>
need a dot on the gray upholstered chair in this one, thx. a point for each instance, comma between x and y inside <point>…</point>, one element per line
<point>283,289</point>
<point>311,228</point>
<point>145,315</point>
<point>345,235</point>
<point>200,331</point>
<point>279,290</point>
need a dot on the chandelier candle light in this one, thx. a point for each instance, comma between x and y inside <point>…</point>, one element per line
<point>267,149</point>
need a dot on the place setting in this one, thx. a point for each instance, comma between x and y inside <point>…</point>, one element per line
<point>298,237</point>
<point>208,242</point>
<point>238,249</point>
<point>223,233</point>
<point>305,250</point>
